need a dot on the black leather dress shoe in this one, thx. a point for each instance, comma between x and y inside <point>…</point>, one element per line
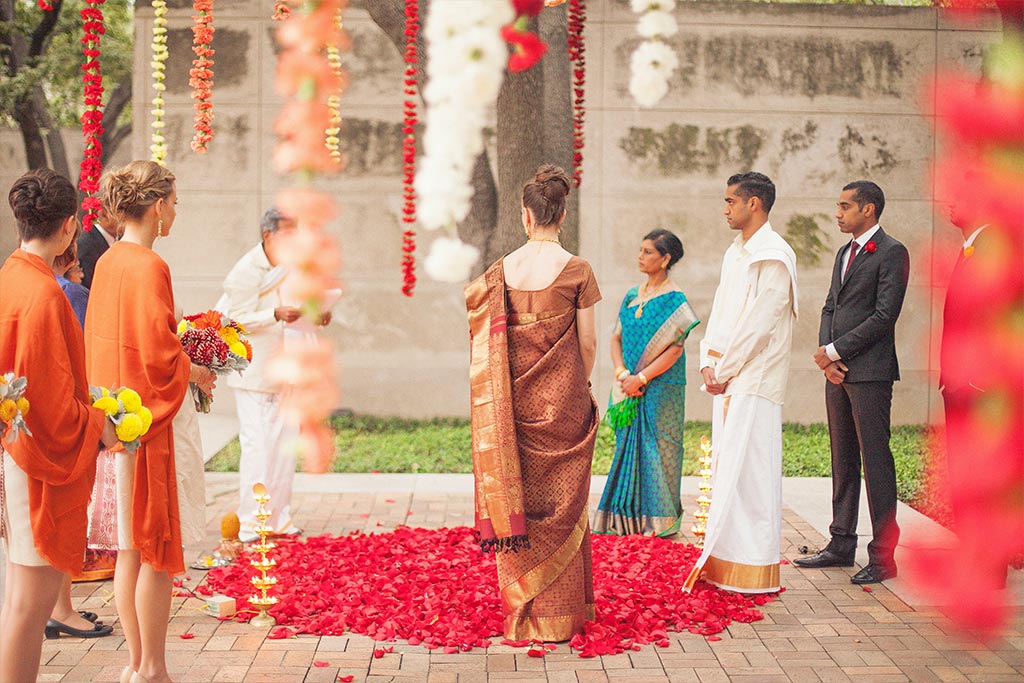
<point>873,573</point>
<point>823,558</point>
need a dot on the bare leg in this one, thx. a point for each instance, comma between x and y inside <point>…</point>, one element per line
<point>153,606</point>
<point>26,610</point>
<point>64,611</point>
<point>126,579</point>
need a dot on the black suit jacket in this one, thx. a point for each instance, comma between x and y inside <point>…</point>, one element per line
<point>91,245</point>
<point>860,313</point>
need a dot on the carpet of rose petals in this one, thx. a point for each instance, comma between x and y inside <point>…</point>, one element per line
<point>434,587</point>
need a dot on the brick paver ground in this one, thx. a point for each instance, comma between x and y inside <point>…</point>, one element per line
<point>821,629</point>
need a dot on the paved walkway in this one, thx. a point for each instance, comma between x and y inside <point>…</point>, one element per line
<point>821,629</point>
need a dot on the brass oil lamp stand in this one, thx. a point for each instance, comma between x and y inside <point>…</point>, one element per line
<point>263,581</point>
<point>704,500</point>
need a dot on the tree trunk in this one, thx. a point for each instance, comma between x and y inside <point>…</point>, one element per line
<point>534,126</point>
<point>113,134</point>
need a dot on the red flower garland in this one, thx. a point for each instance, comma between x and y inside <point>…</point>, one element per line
<point>577,19</point>
<point>45,6</point>
<point>92,118</point>
<point>201,73</point>
<point>412,29</point>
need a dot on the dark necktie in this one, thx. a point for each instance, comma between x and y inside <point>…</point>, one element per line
<point>853,254</point>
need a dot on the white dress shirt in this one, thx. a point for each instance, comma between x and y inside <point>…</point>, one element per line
<point>830,350</point>
<point>250,297</point>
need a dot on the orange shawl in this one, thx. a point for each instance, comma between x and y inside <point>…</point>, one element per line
<point>131,342</point>
<point>40,339</point>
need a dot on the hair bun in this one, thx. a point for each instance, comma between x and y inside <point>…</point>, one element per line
<point>553,181</point>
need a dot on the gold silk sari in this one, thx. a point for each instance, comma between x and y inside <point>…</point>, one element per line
<point>534,427</point>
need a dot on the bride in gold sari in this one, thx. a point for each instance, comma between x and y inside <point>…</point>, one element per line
<point>531,321</point>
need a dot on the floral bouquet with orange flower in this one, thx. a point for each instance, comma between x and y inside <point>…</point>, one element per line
<point>215,341</point>
<point>13,406</point>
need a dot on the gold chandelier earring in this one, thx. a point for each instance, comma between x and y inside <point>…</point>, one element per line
<point>160,227</point>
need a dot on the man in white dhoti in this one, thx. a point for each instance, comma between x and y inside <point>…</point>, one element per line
<point>252,297</point>
<point>744,363</point>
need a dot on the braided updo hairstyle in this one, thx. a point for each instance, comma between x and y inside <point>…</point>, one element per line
<point>545,195</point>
<point>41,201</point>
<point>130,190</point>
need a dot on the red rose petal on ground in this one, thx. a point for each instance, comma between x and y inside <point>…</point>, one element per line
<point>535,653</point>
<point>187,636</point>
<point>280,633</point>
<point>321,664</point>
<point>434,588</point>
<point>713,639</point>
<point>346,679</point>
<point>866,589</point>
<point>783,561</point>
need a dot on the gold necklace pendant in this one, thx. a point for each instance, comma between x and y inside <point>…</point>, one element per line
<point>545,239</point>
<point>639,310</point>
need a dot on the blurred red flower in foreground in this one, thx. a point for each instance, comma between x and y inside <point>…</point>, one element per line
<point>981,174</point>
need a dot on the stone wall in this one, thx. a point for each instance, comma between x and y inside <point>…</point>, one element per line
<point>813,95</point>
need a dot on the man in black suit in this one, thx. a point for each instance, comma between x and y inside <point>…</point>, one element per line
<point>92,245</point>
<point>857,352</point>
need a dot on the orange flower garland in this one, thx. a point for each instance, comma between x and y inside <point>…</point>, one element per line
<point>306,75</point>
<point>92,117</point>
<point>412,30</point>
<point>201,74</point>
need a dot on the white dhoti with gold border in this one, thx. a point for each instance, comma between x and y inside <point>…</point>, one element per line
<point>744,526</point>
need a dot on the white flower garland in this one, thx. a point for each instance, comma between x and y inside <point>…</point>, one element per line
<point>654,61</point>
<point>464,74</point>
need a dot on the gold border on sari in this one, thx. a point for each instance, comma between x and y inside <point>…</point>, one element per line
<point>736,575</point>
<point>532,582</point>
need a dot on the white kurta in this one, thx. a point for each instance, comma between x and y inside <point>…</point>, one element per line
<point>251,293</point>
<point>747,343</point>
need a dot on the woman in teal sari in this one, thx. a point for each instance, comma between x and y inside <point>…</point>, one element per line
<point>647,402</point>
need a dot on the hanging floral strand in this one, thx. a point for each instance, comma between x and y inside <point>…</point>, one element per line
<point>527,47</point>
<point>201,74</point>
<point>281,11</point>
<point>334,99</point>
<point>577,50</point>
<point>158,146</point>
<point>45,6</point>
<point>412,30</point>
<point>654,61</point>
<point>307,79</point>
<point>92,118</point>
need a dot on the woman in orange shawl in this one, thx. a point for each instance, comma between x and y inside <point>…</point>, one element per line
<point>131,341</point>
<point>47,477</point>
<point>531,321</point>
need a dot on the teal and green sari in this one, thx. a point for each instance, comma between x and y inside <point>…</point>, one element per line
<point>642,493</point>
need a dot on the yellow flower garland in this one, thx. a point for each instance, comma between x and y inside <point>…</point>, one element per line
<point>332,142</point>
<point>158,148</point>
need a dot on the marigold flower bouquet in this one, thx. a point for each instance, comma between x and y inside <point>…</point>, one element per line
<point>13,406</point>
<point>124,408</point>
<point>213,340</point>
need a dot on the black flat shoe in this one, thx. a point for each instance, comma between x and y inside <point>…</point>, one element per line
<point>89,616</point>
<point>822,559</point>
<point>55,628</point>
<point>873,573</point>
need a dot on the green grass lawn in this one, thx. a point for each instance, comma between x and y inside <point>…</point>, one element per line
<point>367,444</point>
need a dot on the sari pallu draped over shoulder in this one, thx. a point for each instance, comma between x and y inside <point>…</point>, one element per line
<point>498,490</point>
<point>547,439</point>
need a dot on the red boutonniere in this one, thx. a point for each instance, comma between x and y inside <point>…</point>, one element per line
<point>870,247</point>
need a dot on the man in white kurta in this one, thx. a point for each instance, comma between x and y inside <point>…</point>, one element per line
<point>745,352</point>
<point>252,297</point>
